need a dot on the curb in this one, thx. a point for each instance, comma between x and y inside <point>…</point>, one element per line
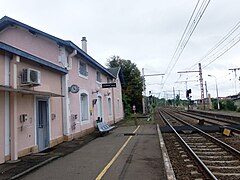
<point>167,163</point>
<point>35,167</point>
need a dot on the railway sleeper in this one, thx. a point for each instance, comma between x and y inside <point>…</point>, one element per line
<point>209,162</point>
<point>211,153</point>
<point>226,174</point>
<point>225,170</point>
<point>206,149</point>
<point>225,167</point>
<point>229,157</point>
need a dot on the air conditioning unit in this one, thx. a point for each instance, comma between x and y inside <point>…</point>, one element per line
<point>31,77</point>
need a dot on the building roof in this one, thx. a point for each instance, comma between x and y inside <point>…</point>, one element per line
<point>117,72</point>
<point>114,71</point>
<point>7,21</point>
<point>35,59</point>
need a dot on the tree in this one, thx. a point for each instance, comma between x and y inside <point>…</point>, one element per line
<point>177,100</point>
<point>133,87</point>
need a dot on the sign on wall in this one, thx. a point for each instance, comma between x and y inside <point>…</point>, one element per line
<point>109,85</point>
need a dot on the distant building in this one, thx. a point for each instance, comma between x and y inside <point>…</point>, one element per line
<point>236,99</point>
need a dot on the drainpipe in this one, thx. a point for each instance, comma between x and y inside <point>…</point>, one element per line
<point>13,108</point>
<point>70,56</point>
<point>66,100</point>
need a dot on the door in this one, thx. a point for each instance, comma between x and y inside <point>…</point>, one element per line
<point>99,107</point>
<point>42,124</point>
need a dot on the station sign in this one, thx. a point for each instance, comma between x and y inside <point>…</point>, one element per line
<point>109,85</point>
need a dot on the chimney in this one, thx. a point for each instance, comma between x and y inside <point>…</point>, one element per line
<point>84,44</point>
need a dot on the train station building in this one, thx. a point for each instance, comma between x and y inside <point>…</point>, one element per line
<point>50,90</point>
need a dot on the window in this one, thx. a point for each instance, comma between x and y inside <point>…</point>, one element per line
<point>109,107</point>
<point>84,107</point>
<point>83,68</point>
<point>98,78</point>
<point>118,105</point>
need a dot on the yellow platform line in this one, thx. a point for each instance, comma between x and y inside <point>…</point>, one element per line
<point>115,157</point>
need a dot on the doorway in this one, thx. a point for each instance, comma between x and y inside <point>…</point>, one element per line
<point>42,124</point>
<point>99,107</point>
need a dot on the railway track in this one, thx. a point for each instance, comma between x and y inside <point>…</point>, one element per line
<point>213,158</point>
<point>210,119</point>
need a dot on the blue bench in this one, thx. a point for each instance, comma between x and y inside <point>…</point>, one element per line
<point>103,127</point>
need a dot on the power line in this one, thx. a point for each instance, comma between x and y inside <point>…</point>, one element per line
<point>224,51</point>
<point>191,26</point>
<point>204,58</point>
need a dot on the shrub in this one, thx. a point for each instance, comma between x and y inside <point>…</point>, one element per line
<point>238,109</point>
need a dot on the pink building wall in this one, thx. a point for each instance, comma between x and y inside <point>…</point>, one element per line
<point>52,82</point>
<point>33,44</point>
<point>119,114</point>
<point>2,125</point>
<point>2,68</point>
<point>26,130</point>
<point>90,85</point>
<point>57,123</point>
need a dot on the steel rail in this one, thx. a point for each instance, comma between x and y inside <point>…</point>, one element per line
<point>227,125</point>
<point>223,144</point>
<point>204,167</point>
<point>215,118</point>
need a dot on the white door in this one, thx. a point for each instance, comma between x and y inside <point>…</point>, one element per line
<point>42,124</point>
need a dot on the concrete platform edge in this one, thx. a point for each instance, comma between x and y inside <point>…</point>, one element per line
<point>34,167</point>
<point>167,163</point>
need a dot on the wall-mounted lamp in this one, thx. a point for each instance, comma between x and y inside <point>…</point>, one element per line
<point>94,92</point>
<point>107,93</point>
<point>94,101</point>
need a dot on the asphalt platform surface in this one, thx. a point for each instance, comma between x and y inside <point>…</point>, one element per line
<point>86,157</point>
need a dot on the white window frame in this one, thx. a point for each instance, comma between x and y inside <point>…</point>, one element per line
<point>100,76</point>
<point>118,105</point>
<point>80,108</point>
<point>82,75</point>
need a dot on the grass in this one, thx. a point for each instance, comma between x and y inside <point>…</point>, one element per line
<point>138,120</point>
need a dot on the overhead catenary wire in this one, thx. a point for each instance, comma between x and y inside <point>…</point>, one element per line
<point>191,26</point>
<point>224,51</point>
<point>211,52</point>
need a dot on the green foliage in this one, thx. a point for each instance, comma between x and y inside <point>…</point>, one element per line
<point>227,105</point>
<point>230,105</point>
<point>132,90</point>
<point>162,102</point>
<point>170,102</point>
<point>177,100</point>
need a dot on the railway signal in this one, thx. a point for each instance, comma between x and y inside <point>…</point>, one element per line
<point>188,92</point>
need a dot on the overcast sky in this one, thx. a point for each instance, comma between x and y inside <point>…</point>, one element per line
<point>145,32</point>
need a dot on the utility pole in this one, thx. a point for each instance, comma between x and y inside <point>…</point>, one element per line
<point>174,102</point>
<point>235,79</point>
<point>144,92</point>
<point>206,89</point>
<point>144,88</point>
<point>207,99</point>
<point>201,84</point>
<point>200,79</point>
